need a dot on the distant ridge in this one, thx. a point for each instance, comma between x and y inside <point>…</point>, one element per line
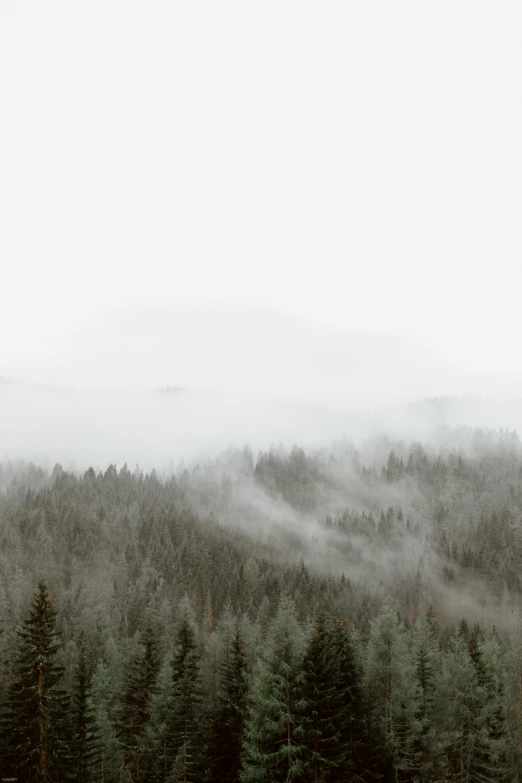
<point>468,410</point>
<point>177,391</point>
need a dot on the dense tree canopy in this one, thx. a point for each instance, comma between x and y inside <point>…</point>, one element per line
<point>341,616</point>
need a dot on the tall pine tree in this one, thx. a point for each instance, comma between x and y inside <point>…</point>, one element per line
<point>139,684</point>
<point>391,692</point>
<point>85,735</point>
<point>186,732</point>
<point>109,762</point>
<point>228,719</point>
<point>39,743</point>
<point>321,740</point>
<point>430,762</point>
<point>352,757</point>
<point>274,734</point>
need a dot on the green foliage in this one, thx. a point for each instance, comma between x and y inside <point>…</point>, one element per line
<point>430,761</point>
<point>158,731</point>
<point>352,754</point>
<point>39,739</point>
<point>140,682</point>
<point>229,714</point>
<point>471,701</point>
<point>274,733</point>
<point>323,745</point>
<point>336,742</point>
<point>85,736</point>
<point>410,702</point>
<point>392,695</point>
<point>109,761</point>
<point>186,726</point>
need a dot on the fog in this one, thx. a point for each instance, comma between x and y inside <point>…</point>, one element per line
<point>251,351</point>
<point>162,386</point>
<point>327,165</point>
<point>169,390</point>
<point>303,217</point>
<point>259,340</point>
<point>258,226</point>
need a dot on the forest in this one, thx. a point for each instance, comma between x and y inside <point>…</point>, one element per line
<point>347,614</point>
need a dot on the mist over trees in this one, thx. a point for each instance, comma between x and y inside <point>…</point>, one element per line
<point>336,615</point>
<point>260,514</point>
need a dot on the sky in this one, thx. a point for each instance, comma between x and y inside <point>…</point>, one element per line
<point>215,194</point>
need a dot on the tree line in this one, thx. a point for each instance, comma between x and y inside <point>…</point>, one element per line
<point>303,700</point>
<point>346,543</point>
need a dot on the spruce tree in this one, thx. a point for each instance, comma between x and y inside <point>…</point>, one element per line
<point>274,734</point>
<point>391,692</point>
<point>140,682</point>
<point>186,729</point>
<point>162,716</point>
<point>109,762</point>
<point>490,759</point>
<point>5,720</point>
<point>352,759</point>
<point>430,763</point>
<point>85,734</point>
<point>321,739</point>
<point>39,742</point>
<point>512,705</point>
<point>464,708</point>
<point>228,718</point>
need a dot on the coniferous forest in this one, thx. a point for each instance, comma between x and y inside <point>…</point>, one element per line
<point>260,514</point>
<point>339,615</point>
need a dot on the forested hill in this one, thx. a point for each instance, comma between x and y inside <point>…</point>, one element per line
<point>404,522</point>
<point>392,572</point>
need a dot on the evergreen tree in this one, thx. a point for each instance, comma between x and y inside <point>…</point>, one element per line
<point>321,739</point>
<point>162,716</point>
<point>273,748</point>
<point>39,741</point>
<point>336,742</point>
<point>390,687</point>
<point>512,705</point>
<point>140,683</point>
<point>228,719</point>
<point>473,750</point>
<point>85,736</point>
<point>4,710</point>
<point>490,758</point>
<point>109,762</point>
<point>352,753</point>
<point>186,728</point>
<point>429,762</point>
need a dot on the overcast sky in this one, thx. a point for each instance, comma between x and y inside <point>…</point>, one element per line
<point>357,165</point>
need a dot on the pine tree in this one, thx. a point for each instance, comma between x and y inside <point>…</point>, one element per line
<point>4,710</point>
<point>140,682</point>
<point>321,738</point>
<point>39,737</point>
<point>489,764</point>
<point>85,739</point>
<point>109,762</point>
<point>390,689</point>
<point>162,716</point>
<point>469,746</point>
<point>273,747</point>
<point>352,753</point>
<point>429,762</point>
<point>229,714</point>
<point>512,705</point>
<point>186,729</point>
